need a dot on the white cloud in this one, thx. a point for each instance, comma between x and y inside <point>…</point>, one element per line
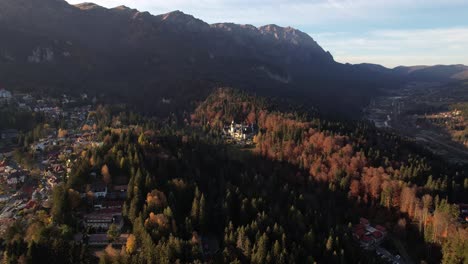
<point>399,47</point>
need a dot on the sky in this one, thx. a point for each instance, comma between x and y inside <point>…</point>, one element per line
<point>387,32</point>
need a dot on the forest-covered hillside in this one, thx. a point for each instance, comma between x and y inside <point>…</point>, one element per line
<point>292,197</point>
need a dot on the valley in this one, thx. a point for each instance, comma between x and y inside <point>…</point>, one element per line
<point>130,137</point>
<point>427,114</point>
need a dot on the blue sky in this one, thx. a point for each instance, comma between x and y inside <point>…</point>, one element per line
<point>387,32</point>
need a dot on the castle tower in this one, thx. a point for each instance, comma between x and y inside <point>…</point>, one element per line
<point>232,127</point>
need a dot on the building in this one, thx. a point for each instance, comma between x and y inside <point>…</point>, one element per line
<point>108,204</point>
<point>118,192</point>
<point>463,212</point>
<point>3,165</point>
<point>39,147</point>
<point>367,235</point>
<point>98,189</point>
<point>101,220</point>
<point>382,229</point>
<point>100,240</point>
<point>4,198</point>
<point>4,94</point>
<point>240,132</point>
<point>364,221</point>
<point>8,134</point>
<point>15,178</point>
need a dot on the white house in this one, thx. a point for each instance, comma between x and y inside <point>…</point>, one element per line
<point>38,147</point>
<point>8,134</point>
<point>4,198</point>
<point>101,193</point>
<point>5,94</point>
<point>12,180</point>
<point>97,189</point>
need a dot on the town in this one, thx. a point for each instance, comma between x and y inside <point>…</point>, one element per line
<point>28,178</point>
<point>453,122</point>
<point>116,187</point>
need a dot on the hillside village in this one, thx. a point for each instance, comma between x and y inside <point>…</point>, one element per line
<point>453,122</point>
<point>27,179</point>
<point>115,184</point>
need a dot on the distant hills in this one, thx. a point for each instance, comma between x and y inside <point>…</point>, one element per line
<point>434,73</point>
<point>139,58</point>
<point>437,73</point>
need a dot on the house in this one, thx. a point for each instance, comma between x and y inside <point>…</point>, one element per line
<point>7,152</point>
<point>9,134</point>
<point>463,212</point>
<point>102,219</point>
<point>368,235</point>
<point>108,204</point>
<point>367,241</point>
<point>39,147</point>
<point>30,204</point>
<point>98,189</point>
<point>12,179</point>
<point>3,165</point>
<point>118,192</point>
<point>382,229</point>
<point>99,221</point>
<point>363,221</point>
<point>359,232</point>
<point>39,194</point>
<point>58,168</point>
<point>27,190</point>
<point>100,240</point>
<point>4,94</point>
<point>120,188</point>
<point>4,198</point>
<point>28,98</point>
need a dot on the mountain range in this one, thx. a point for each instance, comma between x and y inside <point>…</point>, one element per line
<point>139,58</point>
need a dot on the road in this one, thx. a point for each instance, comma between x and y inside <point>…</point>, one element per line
<point>395,107</point>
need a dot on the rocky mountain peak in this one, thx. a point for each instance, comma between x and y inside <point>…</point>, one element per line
<point>88,6</point>
<point>122,7</point>
<point>180,19</point>
<point>287,34</point>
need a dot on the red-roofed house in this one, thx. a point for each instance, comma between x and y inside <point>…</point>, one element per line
<point>377,234</point>
<point>367,241</point>
<point>368,235</point>
<point>359,233</point>
<point>30,204</point>
<point>358,226</point>
<point>382,229</point>
<point>364,221</point>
